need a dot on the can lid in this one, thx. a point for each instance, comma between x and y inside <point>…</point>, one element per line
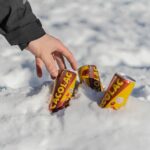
<point>86,66</point>
<point>124,76</point>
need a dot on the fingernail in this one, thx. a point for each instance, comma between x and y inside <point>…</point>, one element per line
<point>54,75</point>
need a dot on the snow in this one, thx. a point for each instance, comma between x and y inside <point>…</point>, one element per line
<point>112,34</point>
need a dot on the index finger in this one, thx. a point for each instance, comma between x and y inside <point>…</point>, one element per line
<point>64,51</point>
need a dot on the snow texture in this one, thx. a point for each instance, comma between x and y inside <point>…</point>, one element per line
<point>112,34</point>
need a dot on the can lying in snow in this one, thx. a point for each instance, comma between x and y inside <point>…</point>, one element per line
<point>63,90</point>
<point>89,74</point>
<point>118,92</point>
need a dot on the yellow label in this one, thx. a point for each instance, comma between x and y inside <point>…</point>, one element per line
<point>89,74</point>
<point>111,92</point>
<point>121,98</point>
<point>59,95</point>
<point>68,94</point>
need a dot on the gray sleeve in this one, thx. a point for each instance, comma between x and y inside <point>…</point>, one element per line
<point>18,23</point>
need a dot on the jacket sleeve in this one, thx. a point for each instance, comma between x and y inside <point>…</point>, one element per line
<point>18,24</point>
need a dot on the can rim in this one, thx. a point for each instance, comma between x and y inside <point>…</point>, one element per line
<point>86,66</point>
<point>124,76</point>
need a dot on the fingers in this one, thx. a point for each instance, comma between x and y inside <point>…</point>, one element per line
<point>39,64</point>
<point>60,60</point>
<point>44,48</point>
<point>50,65</point>
<point>64,51</point>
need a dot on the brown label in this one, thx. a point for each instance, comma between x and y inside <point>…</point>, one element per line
<point>62,84</point>
<point>92,78</point>
<point>117,85</point>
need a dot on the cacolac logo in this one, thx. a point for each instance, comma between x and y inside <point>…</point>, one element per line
<point>110,93</point>
<point>96,78</point>
<point>61,89</point>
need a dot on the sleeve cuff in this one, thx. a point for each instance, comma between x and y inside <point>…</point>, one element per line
<point>22,36</point>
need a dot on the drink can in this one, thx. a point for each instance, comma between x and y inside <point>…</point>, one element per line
<point>63,90</point>
<point>89,75</point>
<point>119,90</point>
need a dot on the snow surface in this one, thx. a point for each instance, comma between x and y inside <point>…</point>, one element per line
<point>112,34</point>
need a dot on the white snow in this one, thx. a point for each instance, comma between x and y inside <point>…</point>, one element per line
<point>112,34</point>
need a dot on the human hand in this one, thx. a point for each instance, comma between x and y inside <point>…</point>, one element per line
<point>49,51</point>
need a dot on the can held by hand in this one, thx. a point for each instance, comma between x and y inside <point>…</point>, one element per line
<point>89,75</point>
<point>63,90</point>
<point>119,90</point>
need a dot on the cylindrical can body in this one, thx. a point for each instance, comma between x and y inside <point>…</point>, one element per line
<point>118,92</point>
<point>89,75</point>
<point>63,90</point>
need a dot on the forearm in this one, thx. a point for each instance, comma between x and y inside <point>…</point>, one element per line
<point>17,22</point>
